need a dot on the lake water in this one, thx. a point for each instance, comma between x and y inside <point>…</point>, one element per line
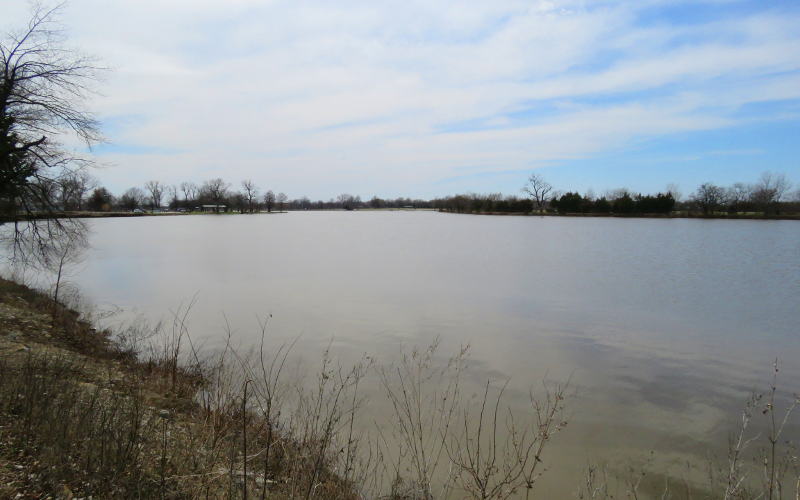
<point>663,326</point>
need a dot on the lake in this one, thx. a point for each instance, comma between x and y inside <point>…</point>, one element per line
<point>662,326</point>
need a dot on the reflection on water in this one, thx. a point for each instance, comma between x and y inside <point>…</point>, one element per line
<point>663,326</point>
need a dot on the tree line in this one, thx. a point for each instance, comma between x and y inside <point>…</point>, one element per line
<point>79,191</point>
<point>769,195</point>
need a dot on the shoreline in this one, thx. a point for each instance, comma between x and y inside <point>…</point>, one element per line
<point>84,412</point>
<point>117,214</point>
<point>718,216</point>
<point>634,216</point>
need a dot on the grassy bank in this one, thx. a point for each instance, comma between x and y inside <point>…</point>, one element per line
<point>82,415</point>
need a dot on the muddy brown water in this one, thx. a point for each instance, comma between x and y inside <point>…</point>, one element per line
<point>662,326</point>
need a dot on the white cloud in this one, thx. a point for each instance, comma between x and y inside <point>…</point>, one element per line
<point>304,95</point>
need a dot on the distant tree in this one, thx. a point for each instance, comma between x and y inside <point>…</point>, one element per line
<point>250,192</point>
<point>269,200</point>
<point>66,192</point>
<point>661,203</point>
<point>376,202</point>
<point>478,203</point>
<point>569,203</point>
<point>623,204</point>
<point>613,194</point>
<point>50,190</point>
<point>74,186</point>
<point>238,202</point>
<point>132,199</point>
<point>709,197</point>
<point>303,203</point>
<point>215,190</point>
<point>172,192</point>
<point>538,189</point>
<point>156,191</point>
<point>189,190</point>
<point>346,201</point>
<point>675,191</point>
<point>769,191</point>
<point>101,200</point>
<point>515,204</point>
<point>490,202</point>
<point>281,199</point>
<point>601,205</point>
<point>738,196</point>
<point>792,203</point>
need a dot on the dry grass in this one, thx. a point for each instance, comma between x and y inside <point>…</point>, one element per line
<point>83,415</point>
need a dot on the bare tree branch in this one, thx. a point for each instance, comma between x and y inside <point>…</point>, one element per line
<point>43,94</point>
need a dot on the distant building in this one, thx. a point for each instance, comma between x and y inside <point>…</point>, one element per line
<point>212,208</point>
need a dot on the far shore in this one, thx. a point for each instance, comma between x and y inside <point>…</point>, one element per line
<point>673,215</point>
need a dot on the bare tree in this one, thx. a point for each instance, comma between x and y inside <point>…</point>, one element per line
<point>709,197</point>
<point>189,190</point>
<point>769,191</point>
<point>156,190</point>
<point>538,189</point>
<point>238,202</point>
<point>42,94</point>
<point>613,194</point>
<point>216,190</point>
<point>282,199</point>
<point>132,199</point>
<point>348,201</point>
<point>172,191</point>
<point>675,191</point>
<point>737,195</point>
<point>250,194</point>
<point>269,200</point>
<point>74,186</point>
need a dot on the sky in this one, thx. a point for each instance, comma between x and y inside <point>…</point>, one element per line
<point>430,98</point>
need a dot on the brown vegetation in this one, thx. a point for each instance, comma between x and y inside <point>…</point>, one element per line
<point>83,415</point>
